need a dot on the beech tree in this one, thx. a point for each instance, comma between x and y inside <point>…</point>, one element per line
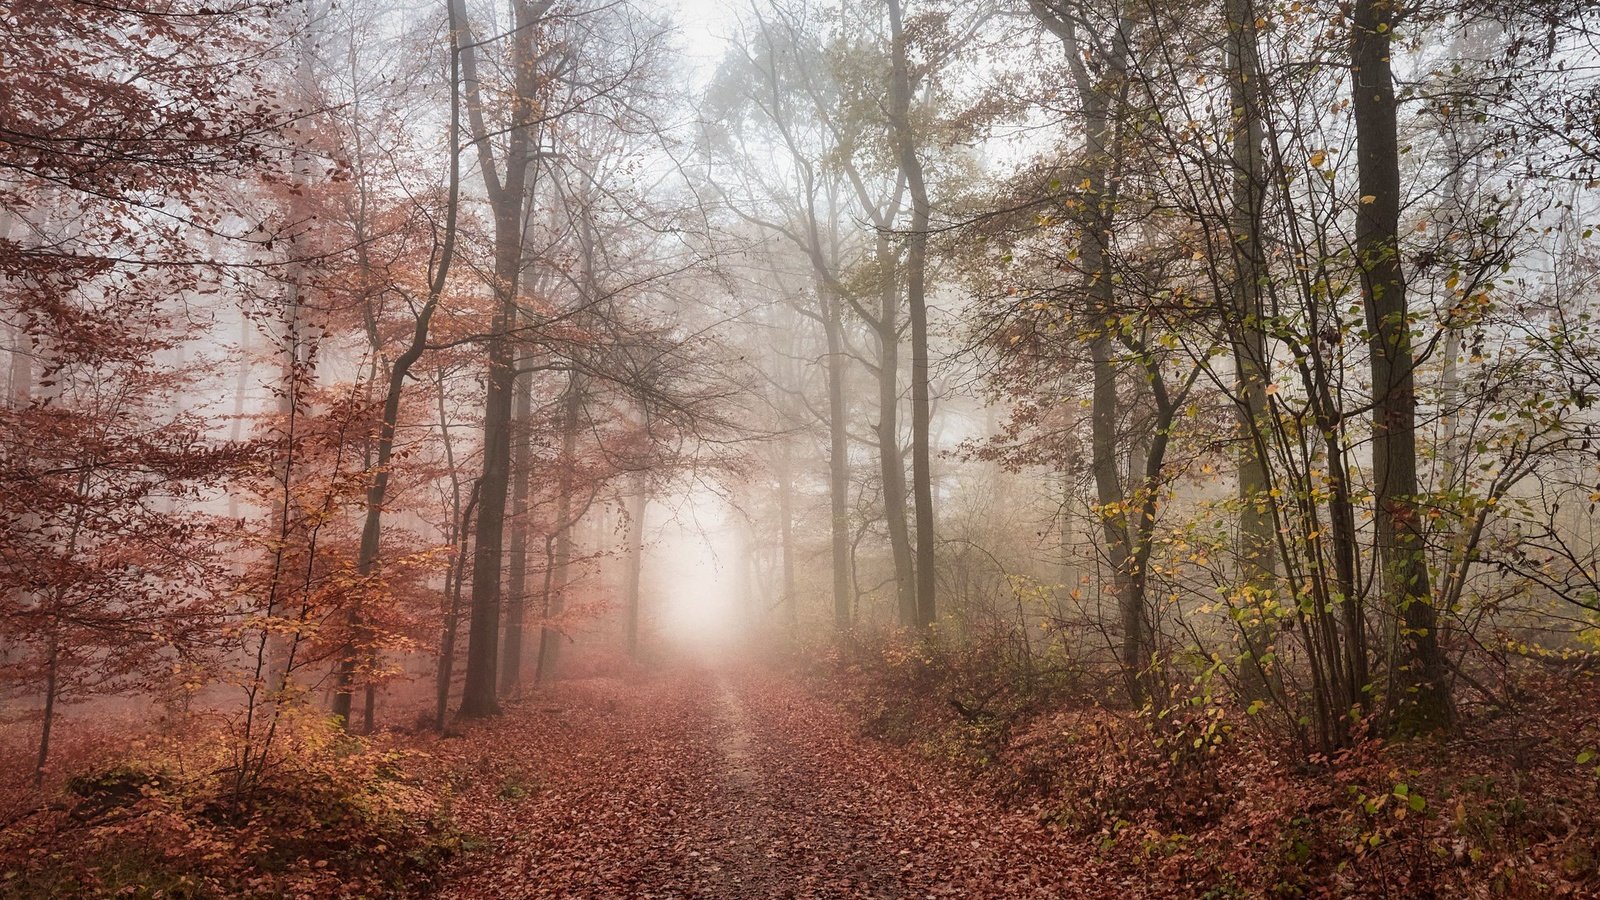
<point>119,126</point>
<point>1176,419</point>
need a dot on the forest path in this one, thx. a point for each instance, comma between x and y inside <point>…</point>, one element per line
<point>731,783</point>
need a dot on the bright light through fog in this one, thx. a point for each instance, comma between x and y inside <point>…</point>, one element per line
<point>697,568</point>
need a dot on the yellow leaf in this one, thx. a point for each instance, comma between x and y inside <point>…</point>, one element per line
<point>1369,198</point>
<point>1318,158</point>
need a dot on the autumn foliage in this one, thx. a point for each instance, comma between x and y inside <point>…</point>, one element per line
<point>1040,448</point>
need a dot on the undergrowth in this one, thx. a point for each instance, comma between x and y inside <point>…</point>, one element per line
<point>329,816</point>
<point>1211,802</point>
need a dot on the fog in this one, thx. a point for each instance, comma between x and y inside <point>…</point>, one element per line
<point>378,368</point>
<point>700,576</point>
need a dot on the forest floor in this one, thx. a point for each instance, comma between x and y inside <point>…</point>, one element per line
<point>731,783</point>
<point>738,780</point>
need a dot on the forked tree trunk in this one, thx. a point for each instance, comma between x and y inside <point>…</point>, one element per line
<point>917,309</point>
<point>377,489</point>
<point>507,191</point>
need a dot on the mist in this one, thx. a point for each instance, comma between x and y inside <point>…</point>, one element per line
<point>701,577</point>
<point>805,448</point>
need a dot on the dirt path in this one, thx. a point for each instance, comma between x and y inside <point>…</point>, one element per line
<point>731,785</point>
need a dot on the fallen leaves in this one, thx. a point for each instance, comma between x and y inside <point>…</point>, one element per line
<point>729,785</point>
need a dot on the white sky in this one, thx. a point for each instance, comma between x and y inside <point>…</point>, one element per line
<point>703,26</point>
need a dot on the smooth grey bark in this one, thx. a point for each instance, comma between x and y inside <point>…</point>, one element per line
<point>517,568</point>
<point>1096,96</point>
<point>1257,542</point>
<point>917,310</point>
<point>507,191</point>
<point>638,508</point>
<point>1397,513</point>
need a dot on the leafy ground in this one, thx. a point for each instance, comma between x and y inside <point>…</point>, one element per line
<point>727,784</point>
<point>886,774</point>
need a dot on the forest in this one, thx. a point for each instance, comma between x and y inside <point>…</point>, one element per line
<point>799,448</point>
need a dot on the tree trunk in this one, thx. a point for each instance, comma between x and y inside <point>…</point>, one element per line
<point>506,198</point>
<point>478,696</point>
<point>786,534</point>
<point>378,488</point>
<point>838,465</point>
<point>561,556</point>
<point>1394,438</point>
<point>1112,499</point>
<point>51,681</point>
<point>891,465</point>
<point>1095,99</point>
<point>517,568</point>
<point>1257,548</point>
<point>638,506</point>
<point>452,617</point>
<point>917,308</point>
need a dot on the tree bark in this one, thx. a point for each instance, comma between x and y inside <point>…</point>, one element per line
<point>48,719</point>
<point>891,464</point>
<point>1394,438</point>
<point>1257,547</point>
<point>517,568</point>
<point>507,194</point>
<point>452,618</point>
<point>917,309</point>
<point>561,556</point>
<point>638,507</point>
<point>1095,100</point>
<point>838,463</point>
<point>378,488</point>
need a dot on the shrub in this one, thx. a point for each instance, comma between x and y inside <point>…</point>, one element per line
<point>330,816</point>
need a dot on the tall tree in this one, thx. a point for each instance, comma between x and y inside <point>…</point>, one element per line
<point>1101,93</point>
<point>505,180</point>
<point>438,275</point>
<point>1397,509</point>
<point>905,137</point>
<point>1257,529</point>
